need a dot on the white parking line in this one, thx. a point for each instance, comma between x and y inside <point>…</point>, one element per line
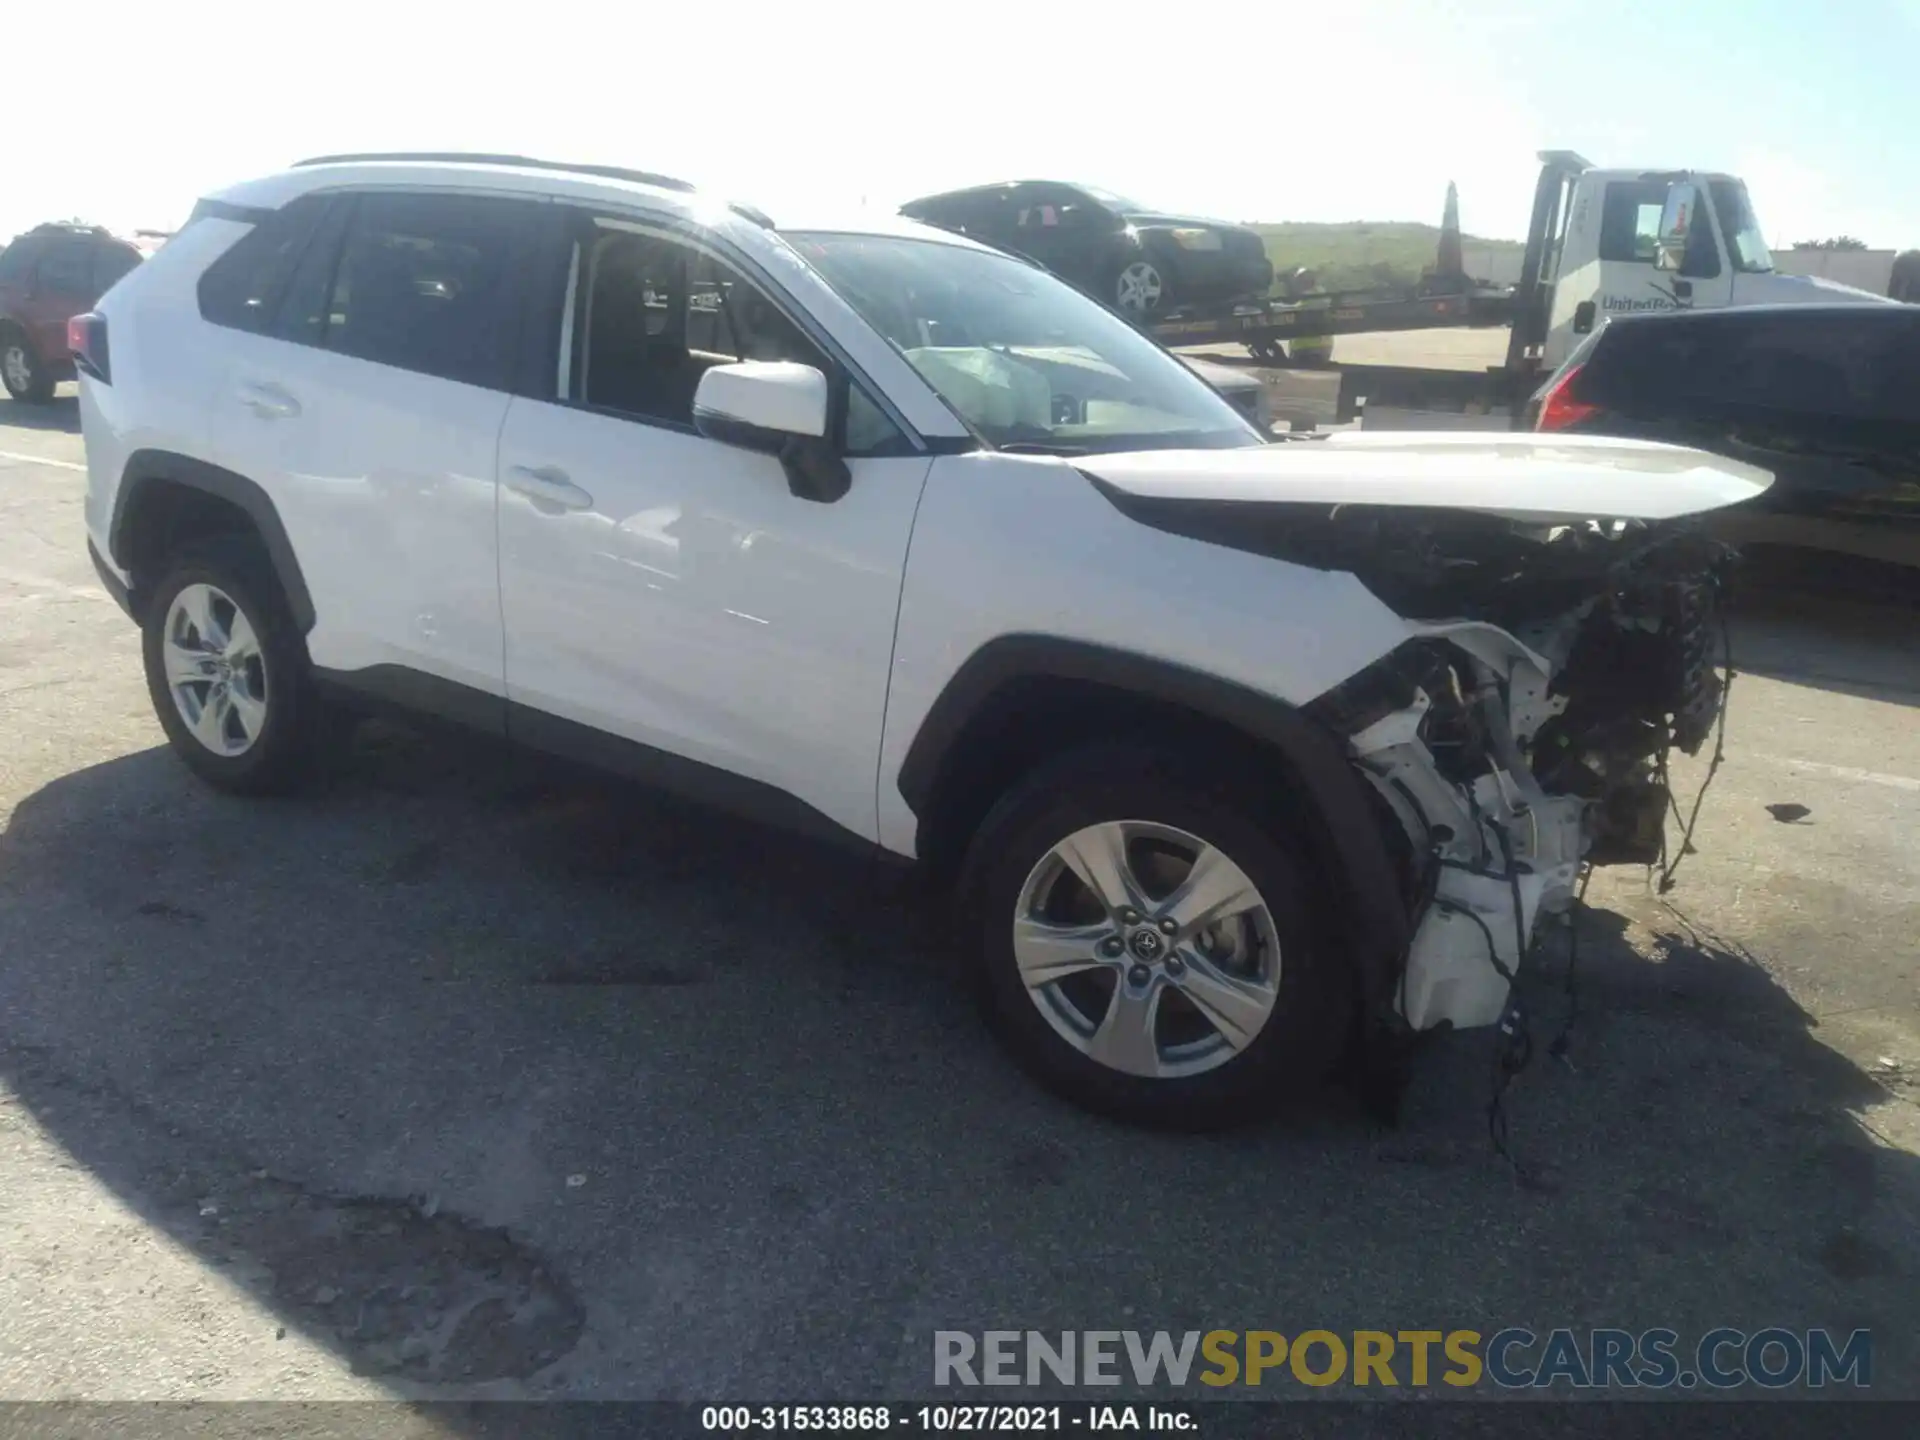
<point>42,460</point>
<point>1846,772</point>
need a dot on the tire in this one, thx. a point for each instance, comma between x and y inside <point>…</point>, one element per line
<point>1055,1030</point>
<point>1905,284</point>
<point>271,699</point>
<point>1139,285</point>
<point>21,371</point>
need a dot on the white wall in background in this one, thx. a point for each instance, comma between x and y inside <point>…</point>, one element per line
<point>1863,269</point>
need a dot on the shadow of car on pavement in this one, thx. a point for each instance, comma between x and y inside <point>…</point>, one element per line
<point>62,413</point>
<point>499,1081</point>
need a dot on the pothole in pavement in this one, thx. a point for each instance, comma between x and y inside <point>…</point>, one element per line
<point>406,1290</point>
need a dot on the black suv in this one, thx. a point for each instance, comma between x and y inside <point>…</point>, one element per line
<point>1827,397</point>
<point>1124,254</point>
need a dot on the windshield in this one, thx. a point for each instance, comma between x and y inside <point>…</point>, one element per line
<point>1744,241</point>
<point>1025,361</point>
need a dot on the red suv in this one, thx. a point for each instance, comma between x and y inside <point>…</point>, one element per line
<point>47,276</point>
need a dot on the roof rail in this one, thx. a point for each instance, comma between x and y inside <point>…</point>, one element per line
<point>461,157</point>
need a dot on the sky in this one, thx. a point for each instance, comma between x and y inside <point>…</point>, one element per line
<point>1339,110</point>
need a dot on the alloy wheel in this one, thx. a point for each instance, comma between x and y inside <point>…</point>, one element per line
<point>1140,288</point>
<point>1147,949</point>
<point>215,671</point>
<point>17,366</point>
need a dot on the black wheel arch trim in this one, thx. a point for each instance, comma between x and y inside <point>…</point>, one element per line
<point>111,582</point>
<point>145,468</point>
<point>1375,914</point>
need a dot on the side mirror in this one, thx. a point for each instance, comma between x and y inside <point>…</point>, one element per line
<point>778,408</point>
<point>1670,245</point>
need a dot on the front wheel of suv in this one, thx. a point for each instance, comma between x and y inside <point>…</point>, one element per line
<point>21,371</point>
<point>227,669</point>
<point>1149,942</point>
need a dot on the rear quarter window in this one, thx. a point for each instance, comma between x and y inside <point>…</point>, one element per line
<point>16,260</point>
<point>110,263</point>
<point>1651,361</point>
<point>242,288</point>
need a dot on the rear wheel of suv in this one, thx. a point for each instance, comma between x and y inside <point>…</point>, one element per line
<point>21,371</point>
<point>1148,947</point>
<point>227,669</point>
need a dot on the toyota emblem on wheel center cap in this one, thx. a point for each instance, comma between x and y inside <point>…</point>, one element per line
<point>1145,944</point>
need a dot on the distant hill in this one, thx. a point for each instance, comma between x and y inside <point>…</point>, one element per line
<point>1362,253</point>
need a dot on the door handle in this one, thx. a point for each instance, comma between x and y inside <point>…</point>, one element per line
<point>269,402</point>
<point>547,485</point>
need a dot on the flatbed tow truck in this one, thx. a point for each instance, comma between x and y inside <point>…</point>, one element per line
<point>1593,248</point>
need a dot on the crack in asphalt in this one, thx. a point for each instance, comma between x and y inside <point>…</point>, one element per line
<point>401,1287</point>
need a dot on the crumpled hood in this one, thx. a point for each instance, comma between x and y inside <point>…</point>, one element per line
<point>1544,478</point>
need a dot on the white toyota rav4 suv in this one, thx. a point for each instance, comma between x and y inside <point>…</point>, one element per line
<point>1235,754</point>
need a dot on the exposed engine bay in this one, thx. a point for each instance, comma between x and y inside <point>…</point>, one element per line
<point>1523,734</point>
<point>1553,660</point>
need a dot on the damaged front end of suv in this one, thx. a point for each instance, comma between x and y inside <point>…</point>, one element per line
<point>1525,736</point>
<point>1563,623</point>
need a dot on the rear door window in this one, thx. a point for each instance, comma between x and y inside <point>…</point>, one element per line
<point>426,283</point>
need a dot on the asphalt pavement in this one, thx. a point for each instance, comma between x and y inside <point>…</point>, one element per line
<point>469,1077</point>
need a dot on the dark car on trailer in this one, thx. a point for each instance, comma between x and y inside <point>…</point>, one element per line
<point>1124,254</point>
<point>1827,397</point>
<point>47,276</point>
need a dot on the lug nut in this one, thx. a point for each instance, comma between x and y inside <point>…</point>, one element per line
<point>1168,927</point>
<point>1139,975</point>
<point>1130,917</point>
<point>1175,965</point>
<point>1111,946</point>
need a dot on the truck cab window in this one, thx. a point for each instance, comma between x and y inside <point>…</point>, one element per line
<point>1745,244</point>
<point>1630,220</point>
